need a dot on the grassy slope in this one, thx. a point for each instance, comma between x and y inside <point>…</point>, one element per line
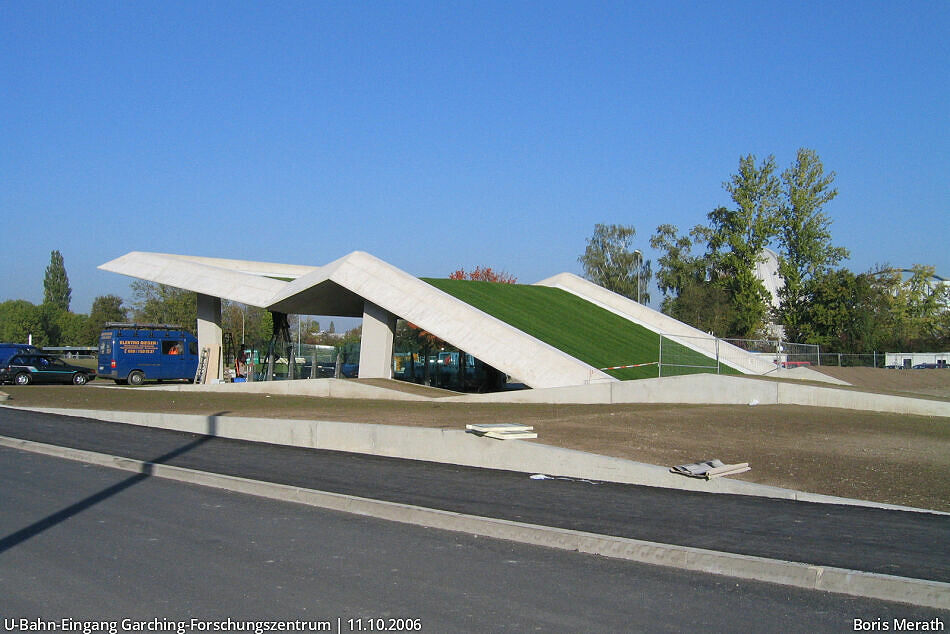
<point>575,326</point>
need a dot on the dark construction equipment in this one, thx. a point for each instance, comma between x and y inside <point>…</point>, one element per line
<point>280,344</point>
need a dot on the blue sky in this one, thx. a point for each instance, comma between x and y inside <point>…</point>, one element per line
<point>439,135</point>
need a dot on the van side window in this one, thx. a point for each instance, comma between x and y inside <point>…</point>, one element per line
<point>172,347</point>
<point>193,347</point>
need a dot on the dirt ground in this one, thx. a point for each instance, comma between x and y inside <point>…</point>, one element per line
<point>933,383</point>
<point>883,457</point>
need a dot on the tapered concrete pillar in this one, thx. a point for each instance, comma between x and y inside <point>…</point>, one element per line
<point>376,344</point>
<point>209,334</point>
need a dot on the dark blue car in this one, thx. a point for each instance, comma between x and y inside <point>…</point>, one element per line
<point>7,350</point>
<point>23,369</point>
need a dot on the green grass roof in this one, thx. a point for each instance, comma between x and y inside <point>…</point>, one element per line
<point>577,327</point>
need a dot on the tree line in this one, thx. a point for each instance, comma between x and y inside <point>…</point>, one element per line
<point>707,275</point>
<point>51,323</point>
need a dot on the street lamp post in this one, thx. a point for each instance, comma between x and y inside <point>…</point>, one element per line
<point>639,264</point>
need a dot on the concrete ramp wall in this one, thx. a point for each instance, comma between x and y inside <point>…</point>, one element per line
<point>679,332</point>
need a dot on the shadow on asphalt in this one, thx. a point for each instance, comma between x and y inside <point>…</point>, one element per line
<point>60,516</point>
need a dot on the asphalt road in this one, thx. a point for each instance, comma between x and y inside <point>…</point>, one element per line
<point>874,540</point>
<point>99,544</point>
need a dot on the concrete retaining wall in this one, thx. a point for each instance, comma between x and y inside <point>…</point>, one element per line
<point>695,389</point>
<point>711,389</point>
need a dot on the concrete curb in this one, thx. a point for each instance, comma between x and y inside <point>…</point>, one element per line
<point>920,592</point>
<point>452,446</point>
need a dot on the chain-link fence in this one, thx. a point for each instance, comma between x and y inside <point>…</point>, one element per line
<point>298,361</point>
<point>846,360</point>
<point>690,355</point>
<point>671,355</point>
<point>678,354</point>
<point>784,354</point>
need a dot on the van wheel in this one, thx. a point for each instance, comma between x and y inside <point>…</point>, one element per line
<point>136,378</point>
<point>80,379</point>
<point>23,378</point>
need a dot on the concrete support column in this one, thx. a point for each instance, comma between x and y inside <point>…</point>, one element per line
<point>209,334</point>
<point>376,344</point>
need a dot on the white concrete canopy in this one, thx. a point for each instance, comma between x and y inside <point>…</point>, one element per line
<point>360,285</point>
<point>201,277</point>
<point>344,287</point>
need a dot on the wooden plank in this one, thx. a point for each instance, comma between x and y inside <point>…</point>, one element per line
<point>492,427</point>
<point>510,435</point>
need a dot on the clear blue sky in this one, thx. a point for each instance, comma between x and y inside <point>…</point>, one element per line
<point>439,135</point>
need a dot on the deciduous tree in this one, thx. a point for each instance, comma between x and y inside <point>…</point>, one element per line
<point>486,274</point>
<point>610,262</point>
<point>105,309</point>
<point>163,304</point>
<point>738,236</point>
<point>56,291</point>
<point>678,266</point>
<point>804,237</point>
<point>19,319</point>
<point>72,329</point>
<point>689,286</point>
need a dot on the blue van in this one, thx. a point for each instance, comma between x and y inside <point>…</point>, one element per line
<point>135,353</point>
<point>9,350</point>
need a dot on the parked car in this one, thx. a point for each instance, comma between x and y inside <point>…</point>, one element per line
<point>23,369</point>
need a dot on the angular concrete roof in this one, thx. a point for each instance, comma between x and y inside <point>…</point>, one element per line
<point>226,280</point>
<point>340,288</point>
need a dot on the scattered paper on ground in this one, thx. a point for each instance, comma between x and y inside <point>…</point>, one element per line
<point>707,469</point>
<point>502,431</point>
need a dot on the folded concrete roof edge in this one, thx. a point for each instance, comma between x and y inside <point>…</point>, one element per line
<point>344,286</point>
<point>495,342</point>
<point>200,277</point>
